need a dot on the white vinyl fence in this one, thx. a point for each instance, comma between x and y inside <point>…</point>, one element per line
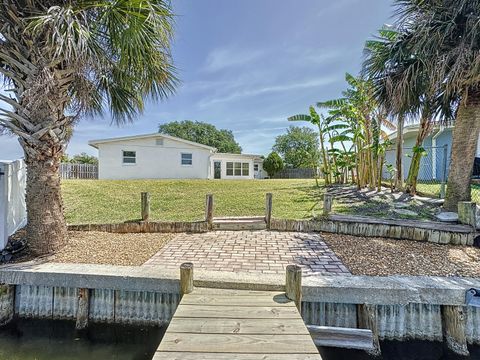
<point>13,212</point>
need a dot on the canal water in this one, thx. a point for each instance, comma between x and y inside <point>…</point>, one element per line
<point>58,340</point>
<point>405,350</point>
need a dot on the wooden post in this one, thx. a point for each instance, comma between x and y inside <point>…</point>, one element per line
<point>7,303</point>
<point>209,211</point>
<point>367,319</point>
<point>186,278</point>
<point>293,285</point>
<point>467,213</point>
<point>268,209</point>
<point>453,324</point>
<point>327,204</point>
<point>83,309</point>
<point>145,206</point>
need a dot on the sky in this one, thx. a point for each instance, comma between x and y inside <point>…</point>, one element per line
<point>248,65</point>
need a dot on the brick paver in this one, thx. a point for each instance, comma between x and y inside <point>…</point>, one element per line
<point>251,251</point>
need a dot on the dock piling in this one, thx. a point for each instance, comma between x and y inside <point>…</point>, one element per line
<point>186,278</point>
<point>293,285</point>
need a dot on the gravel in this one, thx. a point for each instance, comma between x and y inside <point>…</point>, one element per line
<point>92,247</point>
<point>383,257</point>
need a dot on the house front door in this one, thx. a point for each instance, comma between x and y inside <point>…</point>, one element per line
<point>217,169</point>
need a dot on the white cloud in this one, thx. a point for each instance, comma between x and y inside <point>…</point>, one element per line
<point>223,58</point>
<point>322,81</point>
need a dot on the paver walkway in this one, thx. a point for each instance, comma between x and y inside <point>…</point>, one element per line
<point>251,251</point>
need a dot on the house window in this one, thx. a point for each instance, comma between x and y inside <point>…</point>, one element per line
<point>229,168</point>
<point>187,159</point>
<point>159,142</point>
<point>255,167</point>
<point>245,169</point>
<point>238,169</point>
<point>129,157</point>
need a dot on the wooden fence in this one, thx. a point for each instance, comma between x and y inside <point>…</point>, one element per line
<point>78,171</point>
<point>296,174</point>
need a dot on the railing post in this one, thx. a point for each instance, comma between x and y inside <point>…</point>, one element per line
<point>186,278</point>
<point>327,204</point>
<point>145,206</point>
<point>293,285</point>
<point>209,211</point>
<point>444,172</point>
<point>268,209</point>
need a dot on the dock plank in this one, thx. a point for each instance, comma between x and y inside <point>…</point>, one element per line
<point>160,355</point>
<point>237,326</point>
<point>251,300</point>
<point>236,312</point>
<point>218,324</point>
<point>228,343</point>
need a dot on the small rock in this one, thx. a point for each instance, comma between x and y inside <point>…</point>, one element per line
<point>405,212</point>
<point>447,216</point>
<point>400,205</point>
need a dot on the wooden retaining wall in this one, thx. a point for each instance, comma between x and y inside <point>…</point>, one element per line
<point>434,232</point>
<point>145,227</point>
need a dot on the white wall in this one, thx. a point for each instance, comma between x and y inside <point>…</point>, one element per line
<point>152,161</point>
<point>224,158</point>
<point>13,212</point>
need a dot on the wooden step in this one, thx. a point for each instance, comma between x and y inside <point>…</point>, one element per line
<point>239,223</point>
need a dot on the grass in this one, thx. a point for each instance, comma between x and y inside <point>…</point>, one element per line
<point>110,201</point>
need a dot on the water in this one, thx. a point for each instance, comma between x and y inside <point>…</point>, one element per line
<point>58,340</point>
<point>408,350</point>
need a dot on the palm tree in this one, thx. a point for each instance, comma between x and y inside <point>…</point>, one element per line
<point>445,36</point>
<point>60,60</point>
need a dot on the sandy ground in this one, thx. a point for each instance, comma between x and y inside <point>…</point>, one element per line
<point>94,247</point>
<point>383,257</point>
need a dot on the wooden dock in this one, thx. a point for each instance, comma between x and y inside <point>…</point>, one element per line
<point>218,324</point>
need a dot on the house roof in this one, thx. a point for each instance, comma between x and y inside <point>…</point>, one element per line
<point>231,155</point>
<point>409,129</point>
<point>95,143</point>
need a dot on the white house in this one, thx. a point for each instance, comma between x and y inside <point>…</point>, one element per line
<point>159,156</point>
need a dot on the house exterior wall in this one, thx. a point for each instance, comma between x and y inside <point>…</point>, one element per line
<point>224,158</point>
<point>432,165</point>
<point>152,161</point>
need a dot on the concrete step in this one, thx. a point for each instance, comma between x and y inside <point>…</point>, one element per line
<point>240,223</point>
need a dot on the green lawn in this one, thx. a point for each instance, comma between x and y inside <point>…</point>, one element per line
<point>109,201</point>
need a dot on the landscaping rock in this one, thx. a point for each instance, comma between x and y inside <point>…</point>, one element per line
<point>405,212</point>
<point>400,205</point>
<point>450,217</point>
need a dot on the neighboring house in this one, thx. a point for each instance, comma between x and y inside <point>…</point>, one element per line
<point>159,156</point>
<point>438,145</point>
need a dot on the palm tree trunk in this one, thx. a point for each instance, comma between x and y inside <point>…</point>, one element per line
<point>465,137</point>
<point>399,154</point>
<point>411,184</point>
<point>46,225</point>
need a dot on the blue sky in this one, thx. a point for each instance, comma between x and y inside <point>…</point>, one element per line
<point>247,65</point>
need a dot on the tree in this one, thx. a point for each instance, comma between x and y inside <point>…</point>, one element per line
<point>315,119</point>
<point>84,158</point>
<point>61,60</point>
<point>445,36</point>
<point>299,147</point>
<point>401,85</point>
<point>273,164</point>
<point>202,133</point>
